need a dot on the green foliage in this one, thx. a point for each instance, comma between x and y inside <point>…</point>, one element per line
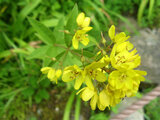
<point>152,110</point>
<point>99,116</point>
<point>71,25</point>
<point>43,32</point>
<point>23,52</point>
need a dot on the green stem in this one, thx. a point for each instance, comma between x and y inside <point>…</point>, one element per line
<point>78,108</point>
<point>141,10</point>
<point>68,106</point>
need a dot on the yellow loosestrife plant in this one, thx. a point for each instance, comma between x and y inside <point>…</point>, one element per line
<point>107,80</point>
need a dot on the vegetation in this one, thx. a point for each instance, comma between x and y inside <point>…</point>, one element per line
<point>24,91</point>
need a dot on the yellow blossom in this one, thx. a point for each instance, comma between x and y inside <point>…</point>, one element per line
<point>118,38</point>
<point>108,97</point>
<point>92,72</point>
<point>52,74</point>
<point>126,81</point>
<point>71,73</point>
<point>124,59</point>
<point>81,36</point>
<point>105,59</point>
<point>124,46</point>
<point>83,21</point>
<point>92,95</point>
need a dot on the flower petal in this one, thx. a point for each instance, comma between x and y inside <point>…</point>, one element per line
<point>45,70</point>
<point>104,98</point>
<point>78,82</point>
<point>121,37</point>
<point>80,19</point>
<point>75,42</point>
<point>68,76</point>
<point>86,22</point>
<point>101,107</point>
<point>86,29</point>
<point>94,101</point>
<point>100,76</point>
<point>58,73</point>
<point>88,82</point>
<point>111,32</point>
<point>51,74</point>
<point>87,94</point>
<point>84,40</point>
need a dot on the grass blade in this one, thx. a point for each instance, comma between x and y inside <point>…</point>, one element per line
<point>28,9</point>
<point>151,5</point>
<point>68,106</point>
<point>77,108</point>
<point>141,10</point>
<point>45,33</point>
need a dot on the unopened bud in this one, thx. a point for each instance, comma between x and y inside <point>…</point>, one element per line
<point>54,59</point>
<point>66,31</point>
<point>103,52</point>
<point>103,40</point>
<point>82,58</point>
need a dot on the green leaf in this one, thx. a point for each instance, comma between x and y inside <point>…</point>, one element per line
<point>42,94</point>
<point>58,31</point>
<point>28,92</point>
<point>50,22</point>
<point>33,82</point>
<point>39,52</point>
<point>70,59</point>
<point>45,83</point>
<point>52,52</point>
<point>28,8</point>
<point>141,9</point>
<point>37,98</point>
<point>85,53</point>
<point>44,33</point>
<point>71,25</point>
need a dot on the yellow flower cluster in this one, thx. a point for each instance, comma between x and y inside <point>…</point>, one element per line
<point>80,35</point>
<point>52,74</point>
<point>106,81</point>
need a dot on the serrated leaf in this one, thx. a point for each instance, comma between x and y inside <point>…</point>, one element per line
<point>58,31</point>
<point>71,60</point>
<point>39,52</point>
<point>45,33</point>
<point>33,82</point>
<point>85,53</point>
<point>71,25</point>
<point>29,8</point>
<point>28,92</point>
<point>43,94</point>
<point>45,83</point>
<point>50,53</point>
<point>37,98</point>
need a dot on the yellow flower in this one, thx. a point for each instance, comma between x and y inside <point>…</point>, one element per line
<point>118,38</point>
<point>83,21</point>
<point>92,72</point>
<point>110,97</point>
<point>105,60</point>
<point>52,74</point>
<point>104,98</point>
<point>92,95</point>
<point>81,36</point>
<point>127,81</point>
<point>71,73</point>
<point>124,46</point>
<point>111,32</point>
<point>124,59</point>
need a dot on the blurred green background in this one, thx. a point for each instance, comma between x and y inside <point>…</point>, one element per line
<point>24,93</point>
